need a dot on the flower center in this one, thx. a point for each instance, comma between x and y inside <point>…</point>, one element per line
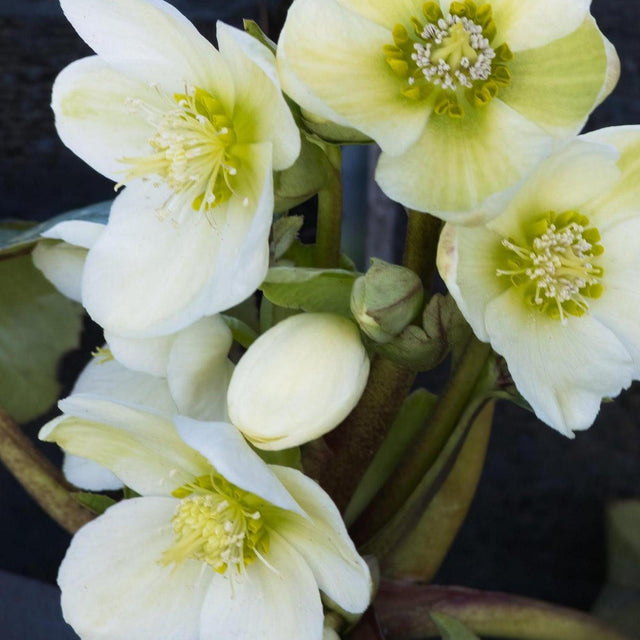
<point>192,149</point>
<point>449,59</point>
<point>557,268</point>
<point>218,523</point>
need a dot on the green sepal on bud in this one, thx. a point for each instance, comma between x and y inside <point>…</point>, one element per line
<point>385,300</point>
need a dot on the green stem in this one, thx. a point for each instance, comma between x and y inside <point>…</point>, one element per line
<point>329,228</point>
<point>39,477</point>
<point>423,232</point>
<point>420,457</point>
<point>356,441</point>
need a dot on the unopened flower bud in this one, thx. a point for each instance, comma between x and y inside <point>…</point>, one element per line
<point>385,300</point>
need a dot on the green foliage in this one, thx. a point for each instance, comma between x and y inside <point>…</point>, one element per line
<point>283,234</point>
<point>37,327</point>
<point>452,629</point>
<point>95,502</point>
<point>15,238</point>
<point>308,289</point>
<point>285,457</point>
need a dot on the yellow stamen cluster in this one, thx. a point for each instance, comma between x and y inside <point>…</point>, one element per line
<point>192,149</point>
<point>556,267</point>
<point>448,59</point>
<point>218,523</point>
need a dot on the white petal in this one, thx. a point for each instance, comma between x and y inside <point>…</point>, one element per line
<point>386,14</point>
<point>146,355</point>
<point>325,544</point>
<point>619,306</point>
<point>89,475</point>
<point>151,41</point>
<point>227,451</point>
<point>279,603</point>
<point>467,262</point>
<point>95,119</point>
<point>465,169</point>
<point>562,371</point>
<point>62,264</point>
<point>525,24</point>
<point>199,369</point>
<point>79,233</point>
<point>149,276</point>
<point>114,584</point>
<point>298,381</point>
<point>259,101</point>
<point>341,69</point>
<point>111,380</point>
<point>141,448</point>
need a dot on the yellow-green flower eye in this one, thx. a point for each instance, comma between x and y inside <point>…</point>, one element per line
<point>556,267</point>
<point>449,58</point>
<point>192,148</point>
<point>218,523</point>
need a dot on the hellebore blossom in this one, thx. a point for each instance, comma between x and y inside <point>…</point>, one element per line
<point>464,98</point>
<point>298,381</point>
<point>195,134</point>
<point>552,282</point>
<point>220,545</point>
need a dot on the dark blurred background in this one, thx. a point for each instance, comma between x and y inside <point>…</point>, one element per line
<point>537,524</point>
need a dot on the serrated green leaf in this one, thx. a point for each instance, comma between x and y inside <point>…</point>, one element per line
<point>14,240</point>
<point>95,502</point>
<point>410,420</point>
<point>37,326</point>
<point>307,289</point>
<point>452,629</point>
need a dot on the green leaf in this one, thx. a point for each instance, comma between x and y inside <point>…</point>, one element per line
<point>409,422</point>
<point>283,234</point>
<point>306,289</point>
<point>14,240</point>
<point>304,255</point>
<point>95,502</point>
<point>452,629</point>
<point>284,458</point>
<point>253,29</point>
<point>242,333</point>
<point>37,326</point>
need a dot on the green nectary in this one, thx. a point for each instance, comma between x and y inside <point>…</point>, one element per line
<point>447,59</point>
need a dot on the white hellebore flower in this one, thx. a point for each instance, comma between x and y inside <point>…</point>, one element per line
<point>220,545</point>
<point>553,281</point>
<point>464,98</point>
<point>195,134</point>
<point>298,381</point>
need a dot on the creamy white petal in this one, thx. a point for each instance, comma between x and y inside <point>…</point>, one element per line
<point>112,380</point>
<point>141,448</point>
<point>95,118</point>
<point>276,602</point>
<point>621,202</point>
<point>199,369</point>
<point>89,475</point>
<point>298,381</point>
<point>151,41</point>
<point>115,586</point>
<point>525,24</point>
<point>260,112</point>
<point>79,233</point>
<point>569,180</point>
<point>226,450</point>
<point>467,258</point>
<point>325,544</point>
<point>613,71</point>
<point>149,276</point>
<point>465,169</point>
<point>619,306</point>
<point>62,264</point>
<point>331,55</point>
<point>146,355</point>
<point>562,371</point>
<point>558,85</point>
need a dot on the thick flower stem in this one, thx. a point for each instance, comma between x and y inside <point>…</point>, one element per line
<point>39,477</point>
<point>355,442</point>
<point>423,232</point>
<point>419,458</point>
<point>329,227</point>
